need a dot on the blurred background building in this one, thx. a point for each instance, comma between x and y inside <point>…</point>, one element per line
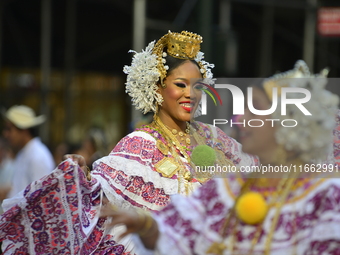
<point>64,58</point>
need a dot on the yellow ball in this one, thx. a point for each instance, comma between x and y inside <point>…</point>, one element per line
<point>251,208</point>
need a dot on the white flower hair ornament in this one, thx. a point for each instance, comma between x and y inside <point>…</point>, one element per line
<point>148,67</point>
<point>312,137</point>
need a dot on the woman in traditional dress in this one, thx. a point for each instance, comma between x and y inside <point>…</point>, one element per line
<point>295,211</point>
<point>60,212</point>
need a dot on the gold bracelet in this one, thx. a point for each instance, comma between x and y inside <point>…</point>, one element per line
<point>147,222</point>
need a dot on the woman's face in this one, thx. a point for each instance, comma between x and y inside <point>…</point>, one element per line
<point>180,98</point>
<point>258,141</point>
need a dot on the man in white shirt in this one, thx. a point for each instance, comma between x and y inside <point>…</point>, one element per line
<point>32,158</point>
<point>6,171</point>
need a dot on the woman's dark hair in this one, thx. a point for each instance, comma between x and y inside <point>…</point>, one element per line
<point>173,63</point>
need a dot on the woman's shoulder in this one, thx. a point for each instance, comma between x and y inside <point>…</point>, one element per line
<point>143,138</point>
<point>204,129</point>
<point>331,182</point>
<point>204,126</point>
<point>306,190</point>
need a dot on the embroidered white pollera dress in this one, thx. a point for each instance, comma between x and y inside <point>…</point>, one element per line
<point>59,214</point>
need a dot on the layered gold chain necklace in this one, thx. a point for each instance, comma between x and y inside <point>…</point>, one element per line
<point>182,135</point>
<point>173,141</point>
<point>201,150</point>
<point>171,138</point>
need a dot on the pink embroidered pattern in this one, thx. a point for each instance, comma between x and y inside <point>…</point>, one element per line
<point>134,184</point>
<point>56,212</point>
<point>59,213</point>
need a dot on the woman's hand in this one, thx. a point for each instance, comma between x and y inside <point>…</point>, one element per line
<point>80,160</point>
<point>136,221</point>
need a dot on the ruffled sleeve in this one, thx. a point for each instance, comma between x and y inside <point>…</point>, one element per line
<point>129,177</point>
<point>57,214</point>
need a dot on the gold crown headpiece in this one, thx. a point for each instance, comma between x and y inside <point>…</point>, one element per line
<point>184,45</point>
<point>314,131</point>
<point>280,80</point>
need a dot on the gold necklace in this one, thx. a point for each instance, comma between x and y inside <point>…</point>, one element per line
<point>283,189</point>
<point>284,196</point>
<point>174,141</point>
<point>182,134</point>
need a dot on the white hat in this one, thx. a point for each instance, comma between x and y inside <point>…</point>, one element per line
<point>23,117</point>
